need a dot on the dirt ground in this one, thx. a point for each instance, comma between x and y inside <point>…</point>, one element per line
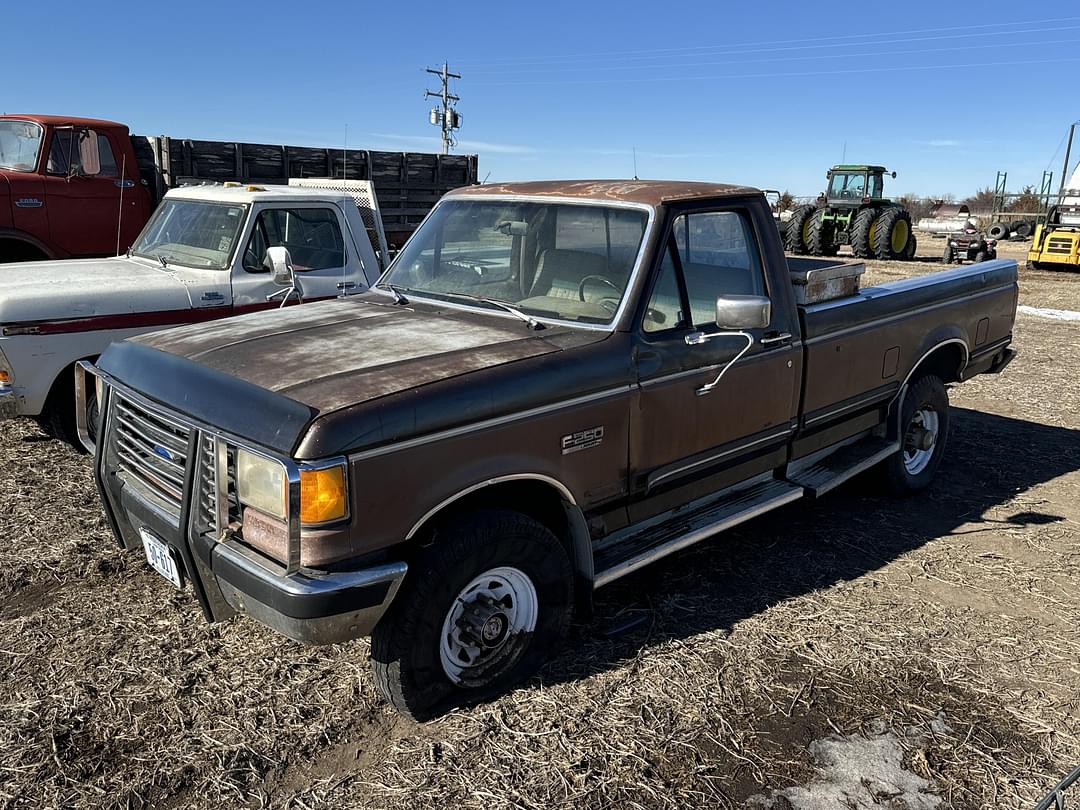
<point>882,653</point>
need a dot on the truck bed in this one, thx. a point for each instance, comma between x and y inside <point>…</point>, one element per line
<point>881,332</point>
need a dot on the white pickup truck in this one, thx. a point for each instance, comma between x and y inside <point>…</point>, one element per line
<point>208,252</point>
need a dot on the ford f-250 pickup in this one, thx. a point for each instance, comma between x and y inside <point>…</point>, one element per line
<point>552,386</point>
<point>205,254</point>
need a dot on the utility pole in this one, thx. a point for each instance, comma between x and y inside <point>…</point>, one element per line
<point>1065,169</point>
<point>447,117</point>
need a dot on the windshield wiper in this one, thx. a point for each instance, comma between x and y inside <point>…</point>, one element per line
<point>164,263</point>
<point>529,319</point>
<point>395,291</point>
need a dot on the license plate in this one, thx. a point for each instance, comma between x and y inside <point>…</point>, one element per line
<point>160,557</point>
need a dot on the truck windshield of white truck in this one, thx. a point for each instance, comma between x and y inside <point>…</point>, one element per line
<point>19,145</point>
<point>190,233</point>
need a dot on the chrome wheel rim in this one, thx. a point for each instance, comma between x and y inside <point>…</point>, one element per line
<point>920,440</point>
<point>488,627</point>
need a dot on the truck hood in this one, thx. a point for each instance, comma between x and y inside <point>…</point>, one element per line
<point>266,376</point>
<point>334,354</point>
<point>76,289</point>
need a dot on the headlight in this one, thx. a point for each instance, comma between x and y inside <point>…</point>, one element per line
<point>261,484</point>
<point>323,496</point>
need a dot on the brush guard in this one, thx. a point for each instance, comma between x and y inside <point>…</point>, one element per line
<point>1056,798</point>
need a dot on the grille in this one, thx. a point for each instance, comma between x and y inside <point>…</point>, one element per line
<point>1059,245</point>
<point>207,512</point>
<point>151,452</point>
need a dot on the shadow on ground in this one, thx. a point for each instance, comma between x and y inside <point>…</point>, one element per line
<point>811,545</point>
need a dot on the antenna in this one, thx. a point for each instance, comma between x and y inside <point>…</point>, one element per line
<point>448,118</point>
<point>120,216</point>
<point>843,154</point>
<point>634,150</point>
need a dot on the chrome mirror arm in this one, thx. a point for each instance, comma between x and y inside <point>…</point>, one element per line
<point>696,338</point>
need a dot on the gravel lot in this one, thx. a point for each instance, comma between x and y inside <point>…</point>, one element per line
<point>919,653</point>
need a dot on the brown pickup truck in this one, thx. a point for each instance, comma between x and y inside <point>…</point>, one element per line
<point>554,385</point>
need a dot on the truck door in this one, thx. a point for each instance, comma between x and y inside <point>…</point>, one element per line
<point>82,192</point>
<point>686,443</point>
<point>321,261</point>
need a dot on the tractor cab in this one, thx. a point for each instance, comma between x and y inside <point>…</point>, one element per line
<point>853,186</point>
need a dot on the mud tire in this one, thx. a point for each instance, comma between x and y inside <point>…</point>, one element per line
<point>885,226</point>
<point>405,646</point>
<point>793,233</point>
<point>821,235</point>
<point>860,233</point>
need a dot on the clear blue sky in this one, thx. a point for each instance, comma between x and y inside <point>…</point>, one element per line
<point>761,93</point>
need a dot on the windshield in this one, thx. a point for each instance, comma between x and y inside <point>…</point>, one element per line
<point>550,260</point>
<point>846,186</point>
<point>20,142</point>
<point>195,234</point>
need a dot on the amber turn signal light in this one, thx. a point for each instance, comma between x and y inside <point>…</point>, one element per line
<point>322,495</point>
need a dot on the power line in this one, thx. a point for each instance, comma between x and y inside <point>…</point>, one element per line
<point>872,37</point>
<point>685,77</point>
<point>775,59</point>
<point>447,118</point>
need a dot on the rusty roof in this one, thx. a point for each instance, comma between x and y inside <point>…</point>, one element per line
<point>64,120</point>
<point>649,192</point>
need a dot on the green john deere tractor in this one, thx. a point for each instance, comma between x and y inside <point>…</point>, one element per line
<point>852,212</point>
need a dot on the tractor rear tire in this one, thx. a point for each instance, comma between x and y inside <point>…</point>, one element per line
<point>910,249</point>
<point>795,234</point>
<point>892,229</point>
<point>861,228</point>
<point>821,235</point>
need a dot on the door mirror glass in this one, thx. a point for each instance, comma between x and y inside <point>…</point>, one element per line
<point>743,311</point>
<point>279,263</point>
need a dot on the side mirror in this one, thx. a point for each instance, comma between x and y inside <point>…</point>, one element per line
<point>894,175</point>
<point>743,311</point>
<point>279,263</point>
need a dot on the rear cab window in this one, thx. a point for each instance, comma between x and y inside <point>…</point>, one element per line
<point>81,152</point>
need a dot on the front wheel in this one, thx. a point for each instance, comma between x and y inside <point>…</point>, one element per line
<point>481,609</point>
<point>924,422</point>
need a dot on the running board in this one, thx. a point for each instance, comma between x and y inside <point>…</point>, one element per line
<point>636,547</point>
<point>847,462</point>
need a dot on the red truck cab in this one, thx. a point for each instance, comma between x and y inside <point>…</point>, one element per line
<point>68,187</point>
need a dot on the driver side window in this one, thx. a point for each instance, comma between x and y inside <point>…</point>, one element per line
<point>311,235</point>
<point>717,255</point>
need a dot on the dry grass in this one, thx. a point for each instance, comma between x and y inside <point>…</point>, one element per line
<point>823,618</point>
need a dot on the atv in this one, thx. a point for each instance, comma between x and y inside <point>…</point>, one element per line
<point>969,245</point>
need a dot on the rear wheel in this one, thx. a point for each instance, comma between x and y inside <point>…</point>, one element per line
<point>862,228</point>
<point>890,233</point>
<point>911,249</point>
<point>796,232</point>
<point>924,420</point>
<point>821,235</point>
<point>480,610</point>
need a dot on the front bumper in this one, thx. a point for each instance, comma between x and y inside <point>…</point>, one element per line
<point>9,403</point>
<point>312,606</point>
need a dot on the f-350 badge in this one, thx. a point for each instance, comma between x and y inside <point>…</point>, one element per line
<point>582,440</point>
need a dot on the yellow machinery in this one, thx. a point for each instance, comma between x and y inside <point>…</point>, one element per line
<point>1057,242</point>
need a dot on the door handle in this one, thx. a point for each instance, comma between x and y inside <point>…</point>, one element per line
<point>773,339</point>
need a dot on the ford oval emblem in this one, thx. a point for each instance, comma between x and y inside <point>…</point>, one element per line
<point>164,452</point>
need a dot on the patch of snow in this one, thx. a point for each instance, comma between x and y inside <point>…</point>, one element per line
<point>1056,314</point>
<point>860,772</point>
